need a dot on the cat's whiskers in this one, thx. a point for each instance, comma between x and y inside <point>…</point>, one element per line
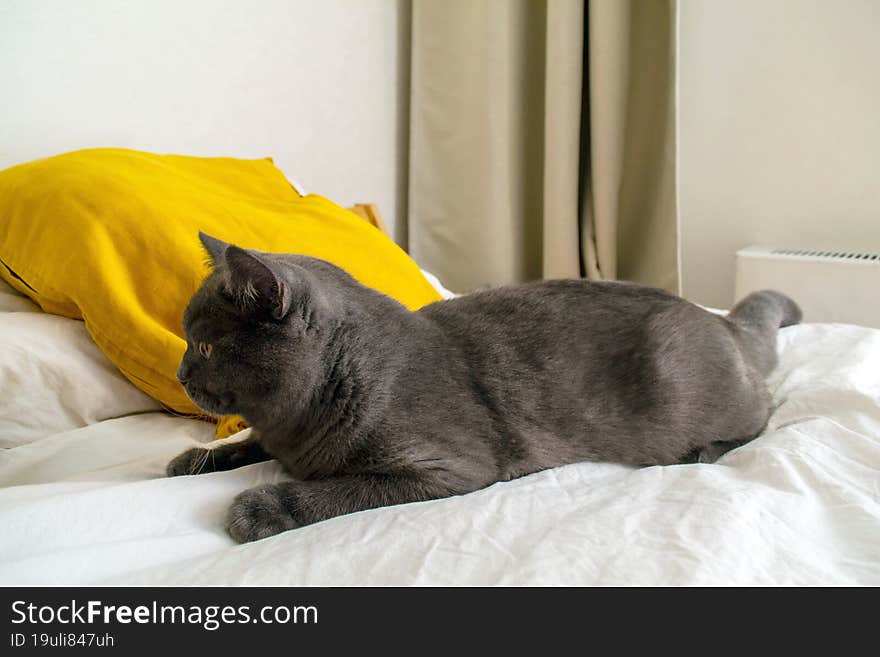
<point>205,461</point>
<point>199,464</point>
<point>193,464</point>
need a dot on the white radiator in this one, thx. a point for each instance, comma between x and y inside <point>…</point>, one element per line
<point>829,286</point>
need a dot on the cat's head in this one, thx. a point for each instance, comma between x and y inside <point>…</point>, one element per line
<point>254,332</point>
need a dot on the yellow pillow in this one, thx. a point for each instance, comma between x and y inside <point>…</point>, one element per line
<point>110,236</point>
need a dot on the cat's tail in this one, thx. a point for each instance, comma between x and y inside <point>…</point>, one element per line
<point>761,315</point>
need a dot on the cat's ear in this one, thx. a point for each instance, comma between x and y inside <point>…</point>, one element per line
<point>215,248</point>
<point>255,282</point>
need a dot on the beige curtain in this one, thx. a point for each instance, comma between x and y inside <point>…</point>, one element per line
<point>542,140</point>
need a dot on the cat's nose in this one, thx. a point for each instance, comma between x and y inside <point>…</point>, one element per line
<point>182,374</point>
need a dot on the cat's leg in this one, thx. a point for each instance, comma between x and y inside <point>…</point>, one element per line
<point>273,508</point>
<point>200,460</point>
<point>715,450</point>
<point>755,411</point>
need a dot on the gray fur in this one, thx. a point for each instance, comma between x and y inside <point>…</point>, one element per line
<point>367,404</point>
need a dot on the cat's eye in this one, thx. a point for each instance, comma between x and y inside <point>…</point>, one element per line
<point>205,349</point>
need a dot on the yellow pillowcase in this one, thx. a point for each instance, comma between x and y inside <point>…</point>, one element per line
<point>110,236</point>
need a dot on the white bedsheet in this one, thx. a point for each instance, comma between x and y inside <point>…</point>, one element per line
<point>83,499</point>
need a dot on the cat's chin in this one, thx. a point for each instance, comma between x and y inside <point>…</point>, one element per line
<point>214,405</point>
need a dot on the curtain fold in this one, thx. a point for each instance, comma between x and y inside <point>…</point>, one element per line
<point>542,140</point>
<point>629,214</point>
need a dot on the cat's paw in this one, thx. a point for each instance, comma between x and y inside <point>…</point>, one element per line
<point>258,513</point>
<point>191,462</point>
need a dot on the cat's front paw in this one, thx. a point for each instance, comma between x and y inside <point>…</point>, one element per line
<point>191,462</point>
<point>258,513</point>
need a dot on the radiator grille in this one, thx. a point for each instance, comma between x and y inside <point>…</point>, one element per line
<point>846,255</point>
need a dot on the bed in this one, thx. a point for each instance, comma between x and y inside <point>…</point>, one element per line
<point>84,499</point>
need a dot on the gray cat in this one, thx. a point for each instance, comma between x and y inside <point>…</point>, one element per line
<point>367,404</point>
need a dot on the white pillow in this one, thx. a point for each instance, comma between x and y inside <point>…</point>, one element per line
<point>54,377</point>
<point>11,300</point>
<point>437,285</point>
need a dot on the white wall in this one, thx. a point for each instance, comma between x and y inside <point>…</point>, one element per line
<point>779,131</point>
<point>320,86</point>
